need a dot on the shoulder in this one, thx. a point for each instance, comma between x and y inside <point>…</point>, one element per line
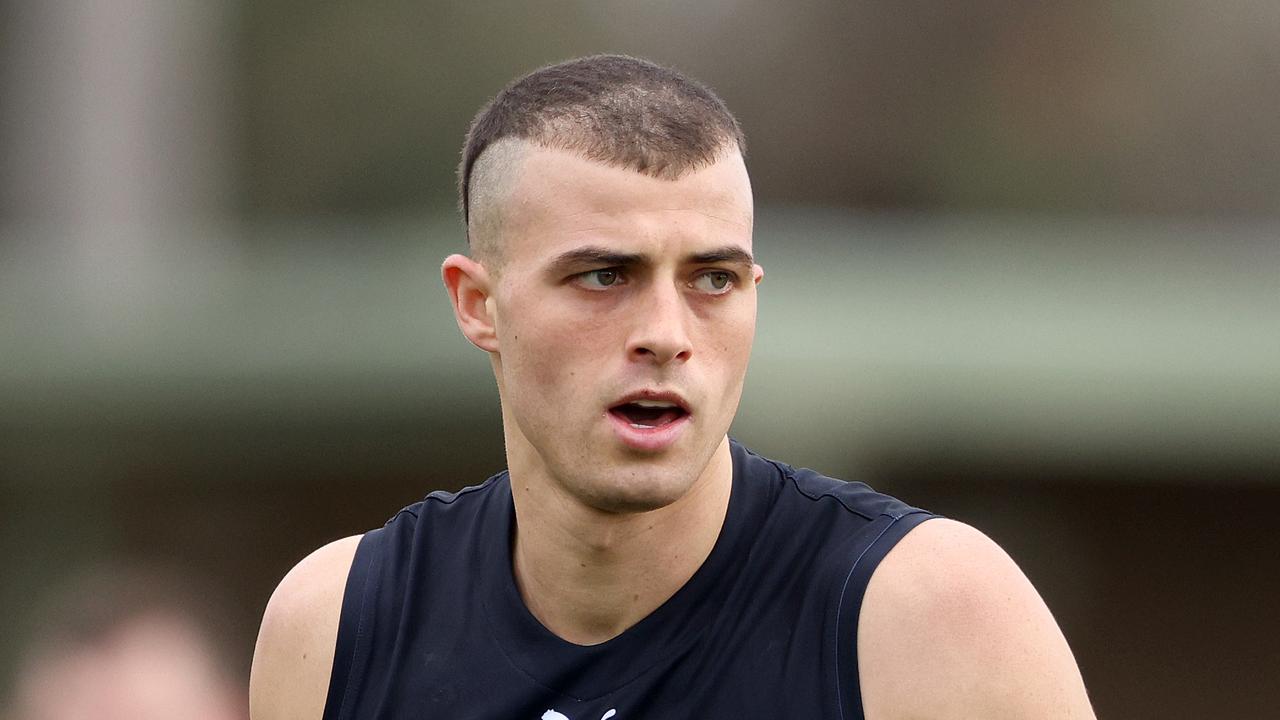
<point>294,654</point>
<point>950,627</point>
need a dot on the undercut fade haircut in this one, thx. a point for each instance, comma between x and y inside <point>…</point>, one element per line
<point>613,109</point>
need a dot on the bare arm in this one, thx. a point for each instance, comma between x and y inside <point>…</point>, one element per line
<point>951,628</point>
<point>294,654</point>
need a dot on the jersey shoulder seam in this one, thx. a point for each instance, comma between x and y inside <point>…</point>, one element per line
<point>789,473</point>
<point>445,497</point>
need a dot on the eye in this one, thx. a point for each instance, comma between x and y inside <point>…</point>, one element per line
<point>715,282</point>
<point>600,279</point>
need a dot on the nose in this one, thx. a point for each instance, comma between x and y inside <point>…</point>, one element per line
<point>660,333</point>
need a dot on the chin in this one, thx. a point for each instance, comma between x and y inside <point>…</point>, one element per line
<point>638,490</point>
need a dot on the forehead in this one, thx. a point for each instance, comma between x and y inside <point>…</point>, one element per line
<point>560,199</point>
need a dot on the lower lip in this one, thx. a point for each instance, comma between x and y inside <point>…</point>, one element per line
<point>648,439</point>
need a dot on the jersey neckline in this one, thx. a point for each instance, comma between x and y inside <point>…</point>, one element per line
<point>584,672</point>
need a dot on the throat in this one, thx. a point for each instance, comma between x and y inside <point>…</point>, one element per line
<point>588,604</point>
<point>588,595</point>
<point>588,575</point>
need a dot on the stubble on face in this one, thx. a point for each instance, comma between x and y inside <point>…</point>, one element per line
<point>566,353</point>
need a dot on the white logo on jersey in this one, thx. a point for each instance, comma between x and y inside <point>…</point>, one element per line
<point>553,715</point>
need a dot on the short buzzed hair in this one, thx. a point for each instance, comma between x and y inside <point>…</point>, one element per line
<point>613,109</point>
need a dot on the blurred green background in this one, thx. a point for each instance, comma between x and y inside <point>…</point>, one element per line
<point>1023,268</point>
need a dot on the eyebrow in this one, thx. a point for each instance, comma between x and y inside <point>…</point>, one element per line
<point>604,257</point>
<point>594,255</point>
<point>725,254</point>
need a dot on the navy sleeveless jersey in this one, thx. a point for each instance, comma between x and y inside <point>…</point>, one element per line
<point>434,628</point>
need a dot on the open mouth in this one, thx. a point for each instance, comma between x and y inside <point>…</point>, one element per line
<point>645,414</point>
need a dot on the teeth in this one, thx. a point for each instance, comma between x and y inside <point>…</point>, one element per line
<point>653,403</point>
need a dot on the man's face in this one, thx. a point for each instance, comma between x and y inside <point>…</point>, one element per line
<point>624,311</point>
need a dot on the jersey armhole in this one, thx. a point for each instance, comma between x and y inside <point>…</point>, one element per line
<point>851,596</point>
<point>354,624</point>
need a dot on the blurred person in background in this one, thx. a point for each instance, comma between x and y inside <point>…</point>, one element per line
<point>127,643</point>
<point>634,562</point>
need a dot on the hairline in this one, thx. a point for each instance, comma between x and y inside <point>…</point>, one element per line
<point>508,170</point>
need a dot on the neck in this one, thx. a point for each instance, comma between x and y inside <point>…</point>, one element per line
<point>588,575</point>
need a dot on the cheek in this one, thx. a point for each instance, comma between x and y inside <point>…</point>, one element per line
<point>549,351</point>
<point>731,335</point>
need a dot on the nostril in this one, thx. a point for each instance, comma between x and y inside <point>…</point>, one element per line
<point>663,356</point>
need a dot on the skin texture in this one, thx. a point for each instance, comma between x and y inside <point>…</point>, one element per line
<point>951,628</point>
<point>597,282</point>
<point>294,655</point>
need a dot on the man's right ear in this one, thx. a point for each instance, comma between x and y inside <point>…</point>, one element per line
<point>469,290</point>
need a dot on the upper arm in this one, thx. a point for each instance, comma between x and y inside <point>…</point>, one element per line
<point>294,654</point>
<point>951,628</point>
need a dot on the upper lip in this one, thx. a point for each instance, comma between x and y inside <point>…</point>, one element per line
<point>655,396</point>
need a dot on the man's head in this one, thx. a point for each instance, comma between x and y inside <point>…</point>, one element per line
<point>611,278</point>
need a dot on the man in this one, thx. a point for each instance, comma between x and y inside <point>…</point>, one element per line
<point>633,562</point>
